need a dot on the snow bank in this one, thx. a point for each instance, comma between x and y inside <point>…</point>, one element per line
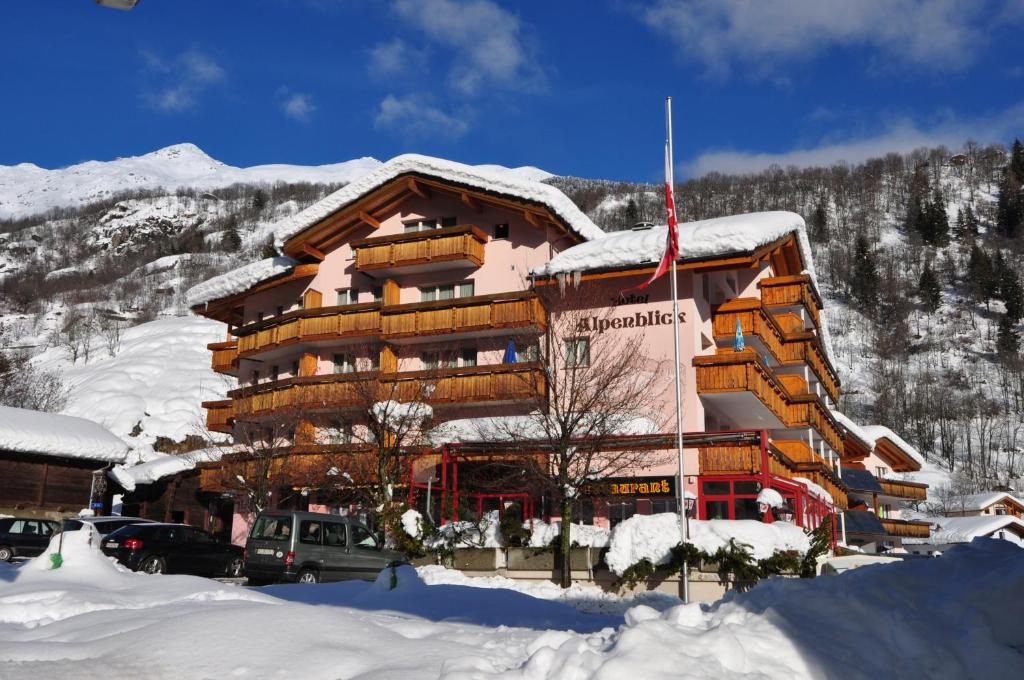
<point>500,181</point>
<point>48,434</point>
<point>584,535</point>
<point>412,523</point>
<point>942,619</point>
<point>877,432</point>
<point>652,537</point>
<point>771,498</point>
<point>160,466</point>
<point>157,379</point>
<point>238,280</point>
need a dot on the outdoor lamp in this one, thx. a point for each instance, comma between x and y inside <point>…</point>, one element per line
<point>785,513</point>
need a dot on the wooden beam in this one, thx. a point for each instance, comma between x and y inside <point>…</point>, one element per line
<point>471,203</point>
<point>313,252</point>
<point>418,189</point>
<point>369,219</point>
<point>532,219</point>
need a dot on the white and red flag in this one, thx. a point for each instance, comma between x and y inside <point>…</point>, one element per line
<point>671,253</point>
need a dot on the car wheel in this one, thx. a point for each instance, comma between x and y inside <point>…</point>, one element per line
<point>235,567</point>
<point>308,576</point>
<point>153,565</point>
<point>6,554</point>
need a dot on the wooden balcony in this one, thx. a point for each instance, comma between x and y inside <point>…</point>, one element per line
<point>219,415</point>
<point>792,291</point>
<point>787,346</point>
<point>737,372</point>
<point>906,528</point>
<point>499,383</point>
<point>901,489</point>
<point>309,325</point>
<point>225,356</point>
<point>477,314</point>
<point>421,251</point>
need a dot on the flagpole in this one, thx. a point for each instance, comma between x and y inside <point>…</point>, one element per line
<point>684,528</point>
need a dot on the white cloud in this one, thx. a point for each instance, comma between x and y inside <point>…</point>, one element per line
<point>415,116</point>
<point>297,105</point>
<point>180,80</point>
<point>396,57</point>
<point>900,136</point>
<point>760,36</point>
<point>485,42</point>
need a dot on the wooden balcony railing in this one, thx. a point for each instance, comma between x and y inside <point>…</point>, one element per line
<point>902,489</point>
<point>480,312</point>
<point>786,347</point>
<point>472,384</point>
<point>744,372</point>
<point>304,325</point>
<point>463,242</point>
<point>906,528</point>
<point>225,356</point>
<point>218,415</point>
<point>791,291</point>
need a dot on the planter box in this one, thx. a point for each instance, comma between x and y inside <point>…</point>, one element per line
<point>475,559</point>
<point>528,559</point>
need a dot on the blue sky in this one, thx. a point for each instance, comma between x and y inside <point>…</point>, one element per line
<point>574,87</point>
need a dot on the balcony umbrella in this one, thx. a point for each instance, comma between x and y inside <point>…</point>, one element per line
<point>510,352</point>
<point>738,344</point>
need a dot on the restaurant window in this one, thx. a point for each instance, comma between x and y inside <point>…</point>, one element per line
<point>618,511</point>
<point>344,363</point>
<point>730,499</point>
<point>501,231</point>
<point>577,352</point>
<point>347,296</point>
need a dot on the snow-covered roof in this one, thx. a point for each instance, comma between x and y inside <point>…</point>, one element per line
<point>130,476</point>
<point>876,432</point>
<point>239,280</point>
<point>980,501</point>
<point>492,178</point>
<point>966,529</point>
<point>705,238</point>
<point>50,434</point>
<point>854,429</point>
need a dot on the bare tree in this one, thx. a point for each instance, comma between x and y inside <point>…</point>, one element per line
<point>598,384</point>
<point>110,328</point>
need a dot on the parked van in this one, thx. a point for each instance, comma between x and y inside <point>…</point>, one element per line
<point>309,547</point>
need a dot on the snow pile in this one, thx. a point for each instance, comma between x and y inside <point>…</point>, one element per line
<point>877,432</point>
<point>157,379</point>
<point>584,535</point>
<point>705,238</point>
<point>815,490</point>
<point>412,523</point>
<point>483,534</point>
<point>26,189</point>
<point>771,498</point>
<point>499,181</point>
<point>652,537</point>
<point>161,465</point>
<point>48,434</point>
<point>239,280</point>
<point>586,598</point>
<point>944,619</point>
<point>966,529</point>
<point>396,415</point>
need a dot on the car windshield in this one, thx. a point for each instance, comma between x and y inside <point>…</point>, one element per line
<point>270,528</point>
<point>72,525</point>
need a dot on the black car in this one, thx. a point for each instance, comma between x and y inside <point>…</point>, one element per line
<point>103,525</point>
<point>172,549</point>
<point>24,536</point>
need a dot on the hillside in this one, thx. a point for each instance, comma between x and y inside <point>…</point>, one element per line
<point>93,283</point>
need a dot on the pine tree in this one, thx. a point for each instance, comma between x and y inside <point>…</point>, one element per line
<point>1009,287</point>
<point>269,249</point>
<point>1017,159</point>
<point>231,240</point>
<point>819,222</point>
<point>1010,206</point>
<point>928,289</point>
<point>864,286</point>
<point>970,223</point>
<point>259,200</point>
<point>938,221</point>
<point>915,211</point>
<point>632,213</point>
<point>980,276</point>
<point>960,230</point>
<point>1007,339</point>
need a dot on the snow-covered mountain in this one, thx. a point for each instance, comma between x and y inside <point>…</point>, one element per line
<point>26,189</point>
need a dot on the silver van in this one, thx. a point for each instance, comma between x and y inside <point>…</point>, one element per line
<point>309,547</point>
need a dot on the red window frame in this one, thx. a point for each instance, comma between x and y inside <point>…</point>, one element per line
<point>730,498</point>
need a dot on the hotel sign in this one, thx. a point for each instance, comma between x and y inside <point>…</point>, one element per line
<point>660,487</point>
<point>636,320</point>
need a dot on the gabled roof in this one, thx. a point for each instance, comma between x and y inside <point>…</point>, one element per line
<point>854,430</point>
<point>880,432</point>
<point>489,179</point>
<point>238,280</point>
<point>980,501</point>
<point>716,237</point>
<point>49,434</point>
<point>965,529</point>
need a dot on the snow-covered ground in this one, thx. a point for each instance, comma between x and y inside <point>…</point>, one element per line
<point>944,618</point>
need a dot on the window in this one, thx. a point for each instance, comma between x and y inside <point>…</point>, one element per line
<point>274,372</point>
<point>463,357</point>
<point>528,354</point>
<point>577,352</point>
<point>374,360</point>
<point>446,291</point>
<point>344,363</point>
<point>730,499</point>
<point>617,512</point>
<point>255,377</point>
<point>501,230</point>
<point>295,368</point>
<point>378,294</point>
<point>429,360</point>
<point>362,538</point>
<point>280,310</point>
<point>420,225</point>
<point>334,535</point>
<point>347,296</point>
<point>310,532</point>
<point>1000,509</point>
<point>468,357</point>
<point>880,472</point>
<point>298,303</point>
<point>259,316</point>
<point>448,221</point>
<point>269,528</point>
